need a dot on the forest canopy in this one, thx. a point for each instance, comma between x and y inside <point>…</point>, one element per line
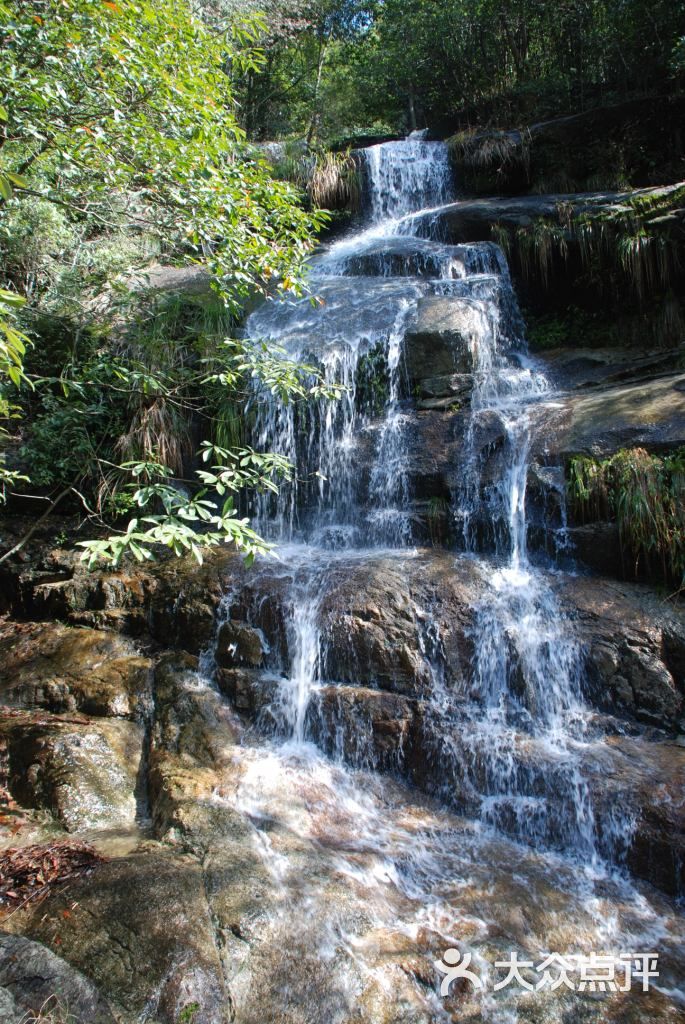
<point>393,65</point>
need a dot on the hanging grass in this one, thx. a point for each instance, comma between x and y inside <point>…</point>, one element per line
<point>645,495</point>
<point>638,242</point>
<point>478,150</point>
<point>331,180</point>
<point>335,182</point>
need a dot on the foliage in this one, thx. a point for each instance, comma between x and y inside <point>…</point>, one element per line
<point>33,238</point>
<point>335,182</point>
<point>635,241</point>
<point>13,344</point>
<point>645,495</point>
<point>123,113</point>
<point>119,142</point>
<point>340,65</point>
<point>189,1013</point>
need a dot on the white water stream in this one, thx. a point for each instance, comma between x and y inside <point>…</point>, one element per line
<point>373,881</point>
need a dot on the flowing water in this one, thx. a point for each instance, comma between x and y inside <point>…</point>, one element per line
<point>514,850</point>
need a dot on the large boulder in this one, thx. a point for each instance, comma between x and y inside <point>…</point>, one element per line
<point>634,645</point>
<point>472,220</point>
<point>86,773</point>
<point>141,929</point>
<point>649,414</point>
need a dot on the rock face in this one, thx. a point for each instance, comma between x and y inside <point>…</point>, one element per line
<point>471,220</point>
<point>186,920</point>
<point>31,977</point>
<point>64,670</point>
<point>85,774</point>
<point>647,415</point>
<point>439,343</point>
<point>635,645</point>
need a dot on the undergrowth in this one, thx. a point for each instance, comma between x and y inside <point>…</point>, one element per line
<point>644,494</point>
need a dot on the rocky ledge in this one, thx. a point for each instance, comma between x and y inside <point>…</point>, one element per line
<point>110,733</point>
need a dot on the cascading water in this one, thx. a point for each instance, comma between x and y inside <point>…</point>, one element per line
<point>373,880</point>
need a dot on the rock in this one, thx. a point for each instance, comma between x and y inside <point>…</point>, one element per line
<point>367,728</point>
<point>174,601</point>
<point>238,644</point>
<point>194,280</point>
<point>421,257</point>
<point>657,847</point>
<point>635,649</point>
<point>192,721</point>
<point>438,342</point>
<point>578,148</point>
<point>31,977</point>
<point>597,546</point>
<point>86,775</point>
<point>141,929</point>
<point>583,368</point>
<point>455,387</point>
<point>63,669</point>
<point>649,415</point>
<point>471,220</point>
<point>248,690</point>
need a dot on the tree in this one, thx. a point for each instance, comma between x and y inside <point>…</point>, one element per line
<point>121,112</point>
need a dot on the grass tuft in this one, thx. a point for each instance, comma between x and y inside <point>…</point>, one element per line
<point>645,495</point>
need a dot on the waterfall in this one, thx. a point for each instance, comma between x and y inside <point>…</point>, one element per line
<point>407,178</point>
<point>526,665</point>
<point>511,817</point>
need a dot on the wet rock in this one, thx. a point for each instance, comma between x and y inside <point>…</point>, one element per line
<point>141,929</point>
<point>173,601</point>
<point>87,775</point>
<point>438,341</point>
<point>366,728</point>
<point>597,546</point>
<point>634,644</point>
<point>657,847</point>
<point>248,690</point>
<point>238,644</point>
<point>32,977</point>
<point>650,414</point>
<point>64,669</point>
<point>584,368</point>
<point>436,391</point>
<point>380,620</point>
<point>192,721</point>
<point>420,257</point>
<point>471,220</point>
<point>639,798</point>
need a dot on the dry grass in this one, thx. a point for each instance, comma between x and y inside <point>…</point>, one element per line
<point>53,1011</point>
<point>157,429</point>
<point>491,150</point>
<point>334,183</point>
